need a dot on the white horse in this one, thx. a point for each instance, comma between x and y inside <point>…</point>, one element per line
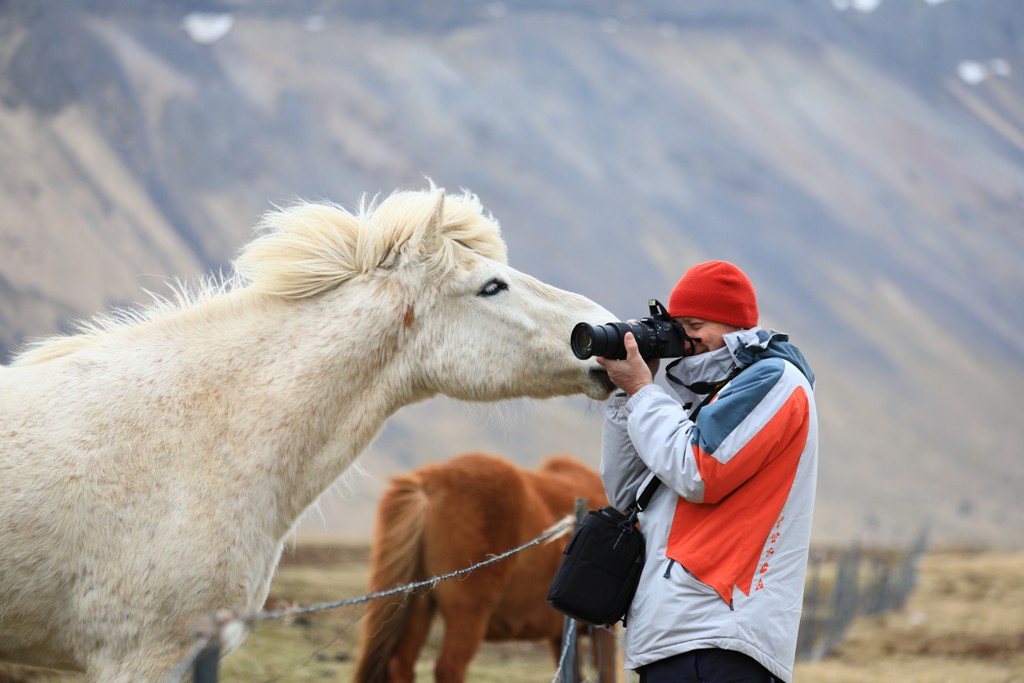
<point>151,466</point>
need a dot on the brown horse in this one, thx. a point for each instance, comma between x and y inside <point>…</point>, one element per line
<point>450,515</point>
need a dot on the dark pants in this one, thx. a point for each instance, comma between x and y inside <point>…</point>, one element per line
<point>706,666</point>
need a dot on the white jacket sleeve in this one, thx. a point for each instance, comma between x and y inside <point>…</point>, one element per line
<point>659,431</point>
<point>622,470</point>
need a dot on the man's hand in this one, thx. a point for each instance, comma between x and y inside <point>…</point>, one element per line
<point>634,373</point>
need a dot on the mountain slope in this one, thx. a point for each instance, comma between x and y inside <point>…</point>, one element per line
<point>874,196</point>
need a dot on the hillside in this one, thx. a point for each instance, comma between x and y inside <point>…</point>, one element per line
<point>865,167</point>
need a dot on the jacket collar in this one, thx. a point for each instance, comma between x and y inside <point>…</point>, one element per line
<point>700,375</point>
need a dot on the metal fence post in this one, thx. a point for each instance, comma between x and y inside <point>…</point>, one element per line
<point>206,667</point>
<point>810,621</point>
<point>570,665</point>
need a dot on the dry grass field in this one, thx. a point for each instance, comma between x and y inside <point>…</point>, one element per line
<point>964,623</point>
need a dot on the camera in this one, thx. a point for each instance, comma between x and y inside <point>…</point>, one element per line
<point>658,336</point>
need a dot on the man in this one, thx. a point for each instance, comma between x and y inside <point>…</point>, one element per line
<point>728,527</point>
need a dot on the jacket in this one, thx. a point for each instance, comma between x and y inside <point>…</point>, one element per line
<point>728,531</point>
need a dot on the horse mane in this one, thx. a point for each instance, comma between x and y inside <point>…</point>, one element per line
<point>182,296</point>
<point>306,249</point>
<point>311,248</point>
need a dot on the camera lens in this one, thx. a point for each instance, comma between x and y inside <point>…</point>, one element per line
<point>582,341</point>
<point>608,341</point>
<point>598,340</point>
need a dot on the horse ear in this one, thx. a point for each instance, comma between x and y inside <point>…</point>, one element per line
<point>432,233</point>
<point>425,247</point>
<point>430,246</point>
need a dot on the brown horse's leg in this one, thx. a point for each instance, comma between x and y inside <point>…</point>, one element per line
<point>401,668</point>
<point>462,638</point>
<point>466,608</point>
<point>604,651</point>
<point>555,644</point>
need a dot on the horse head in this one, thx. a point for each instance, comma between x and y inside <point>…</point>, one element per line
<point>480,330</point>
<point>448,309</point>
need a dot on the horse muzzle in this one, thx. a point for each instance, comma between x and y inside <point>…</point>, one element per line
<point>599,385</point>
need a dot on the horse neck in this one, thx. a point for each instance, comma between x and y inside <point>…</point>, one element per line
<point>302,390</point>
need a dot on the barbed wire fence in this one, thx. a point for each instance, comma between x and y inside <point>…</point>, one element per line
<point>844,583</point>
<point>213,630</point>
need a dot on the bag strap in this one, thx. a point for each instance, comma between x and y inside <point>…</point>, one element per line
<point>644,497</point>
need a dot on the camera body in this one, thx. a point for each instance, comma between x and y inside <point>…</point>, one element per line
<point>658,336</point>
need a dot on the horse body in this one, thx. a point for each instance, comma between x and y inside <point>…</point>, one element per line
<point>151,467</point>
<point>446,516</point>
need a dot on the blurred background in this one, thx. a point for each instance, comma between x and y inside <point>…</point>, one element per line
<point>861,160</point>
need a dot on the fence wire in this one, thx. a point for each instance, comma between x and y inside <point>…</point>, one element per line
<point>841,585</point>
<point>210,628</point>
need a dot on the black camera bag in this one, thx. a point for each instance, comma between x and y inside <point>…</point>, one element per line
<point>600,568</point>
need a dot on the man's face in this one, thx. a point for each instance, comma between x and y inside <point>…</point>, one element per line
<point>709,333</point>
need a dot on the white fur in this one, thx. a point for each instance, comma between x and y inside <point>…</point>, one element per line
<point>151,466</point>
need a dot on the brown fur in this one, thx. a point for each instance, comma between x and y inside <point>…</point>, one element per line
<point>450,515</point>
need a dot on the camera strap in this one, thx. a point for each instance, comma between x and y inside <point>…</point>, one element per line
<point>701,388</point>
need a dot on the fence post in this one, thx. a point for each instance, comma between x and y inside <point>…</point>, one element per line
<point>206,667</point>
<point>810,627</point>
<point>908,573</point>
<point>570,665</point>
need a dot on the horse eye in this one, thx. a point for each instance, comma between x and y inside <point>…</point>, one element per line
<point>493,287</point>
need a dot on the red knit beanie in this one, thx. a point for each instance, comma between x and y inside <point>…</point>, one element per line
<point>716,291</point>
